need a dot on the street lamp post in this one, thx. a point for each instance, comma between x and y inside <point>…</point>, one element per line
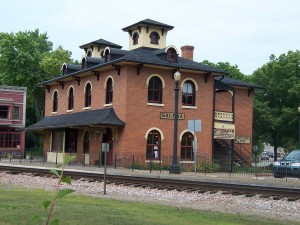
<point>174,167</point>
<point>299,128</point>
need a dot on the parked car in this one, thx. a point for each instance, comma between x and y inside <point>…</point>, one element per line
<point>289,166</point>
<point>264,157</point>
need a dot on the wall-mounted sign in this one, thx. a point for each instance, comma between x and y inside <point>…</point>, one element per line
<point>170,115</point>
<point>224,131</point>
<point>242,139</point>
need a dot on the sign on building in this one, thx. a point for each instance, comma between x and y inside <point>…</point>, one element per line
<point>170,115</point>
<point>224,131</point>
<point>242,139</point>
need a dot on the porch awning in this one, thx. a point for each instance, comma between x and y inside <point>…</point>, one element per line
<point>104,117</point>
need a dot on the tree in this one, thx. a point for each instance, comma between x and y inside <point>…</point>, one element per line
<point>26,59</point>
<point>275,106</point>
<point>233,71</point>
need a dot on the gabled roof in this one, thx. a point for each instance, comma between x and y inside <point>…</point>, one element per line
<point>106,116</point>
<point>149,22</point>
<point>101,42</point>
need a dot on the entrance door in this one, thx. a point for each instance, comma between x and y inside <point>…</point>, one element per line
<point>107,138</point>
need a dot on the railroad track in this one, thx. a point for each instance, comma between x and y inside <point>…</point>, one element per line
<point>273,192</point>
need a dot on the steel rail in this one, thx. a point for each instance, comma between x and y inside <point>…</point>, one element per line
<point>167,183</point>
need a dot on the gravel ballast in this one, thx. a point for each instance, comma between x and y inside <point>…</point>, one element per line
<point>278,209</point>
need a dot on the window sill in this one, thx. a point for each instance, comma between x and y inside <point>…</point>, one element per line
<point>106,105</point>
<point>53,113</point>
<point>189,107</point>
<point>70,110</point>
<point>153,161</point>
<point>86,108</point>
<point>190,161</point>
<point>155,104</point>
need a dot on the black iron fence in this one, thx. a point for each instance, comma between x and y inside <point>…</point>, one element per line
<point>203,165</point>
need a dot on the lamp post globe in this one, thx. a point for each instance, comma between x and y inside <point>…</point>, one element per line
<point>174,168</point>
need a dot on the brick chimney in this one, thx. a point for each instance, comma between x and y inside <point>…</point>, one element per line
<point>187,52</point>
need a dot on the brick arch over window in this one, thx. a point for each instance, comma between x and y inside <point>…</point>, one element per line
<point>186,148</point>
<point>88,94</point>
<point>109,87</point>
<point>155,128</point>
<point>183,132</point>
<point>71,92</point>
<point>153,145</point>
<point>191,79</point>
<point>156,75</point>
<point>188,93</point>
<point>55,97</point>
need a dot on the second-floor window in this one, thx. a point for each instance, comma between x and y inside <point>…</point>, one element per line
<point>109,91</point>
<point>16,113</point>
<point>4,112</point>
<point>155,90</point>
<point>188,93</point>
<point>55,101</point>
<point>88,95</point>
<point>71,99</point>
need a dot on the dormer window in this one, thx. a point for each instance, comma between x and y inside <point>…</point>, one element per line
<point>154,37</point>
<point>84,63</point>
<point>107,55</point>
<point>172,55</point>
<point>64,69</point>
<point>89,54</point>
<point>135,38</point>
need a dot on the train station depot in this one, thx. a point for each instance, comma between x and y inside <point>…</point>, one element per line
<point>123,101</point>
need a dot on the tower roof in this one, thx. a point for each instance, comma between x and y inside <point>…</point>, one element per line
<point>149,22</point>
<point>101,42</point>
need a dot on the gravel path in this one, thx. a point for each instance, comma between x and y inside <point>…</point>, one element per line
<point>255,206</point>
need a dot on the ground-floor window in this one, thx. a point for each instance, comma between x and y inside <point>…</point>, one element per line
<point>57,140</point>
<point>10,139</point>
<point>187,146</point>
<point>153,145</point>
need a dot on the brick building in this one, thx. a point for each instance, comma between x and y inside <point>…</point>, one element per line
<point>126,98</point>
<point>12,120</point>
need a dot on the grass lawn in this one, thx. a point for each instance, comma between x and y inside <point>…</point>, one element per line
<point>17,206</point>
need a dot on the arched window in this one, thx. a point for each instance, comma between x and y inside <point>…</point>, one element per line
<point>171,55</point>
<point>135,38</point>
<point>153,145</point>
<point>88,95</point>
<point>55,101</point>
<point>83,63</point>
<point>154,37</point>
<point>107,55</point>
<point>64,69</point>
<point>109,91</point>
<point>187,146</point>
<point>86,142</point>
<point>71,99</point>
<point>155,90</point>
<point>188,93</point>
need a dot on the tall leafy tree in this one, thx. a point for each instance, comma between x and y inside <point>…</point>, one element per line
<point>275,106</point>
<point>27,58</point>
<point>233,71</point>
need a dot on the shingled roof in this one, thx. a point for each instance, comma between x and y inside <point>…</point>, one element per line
<point>106,116</point>
<point>233,82</point>
<point>149,22</point>
<point>101,42</point>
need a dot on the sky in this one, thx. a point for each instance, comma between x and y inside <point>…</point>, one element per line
<point>242,32</point>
